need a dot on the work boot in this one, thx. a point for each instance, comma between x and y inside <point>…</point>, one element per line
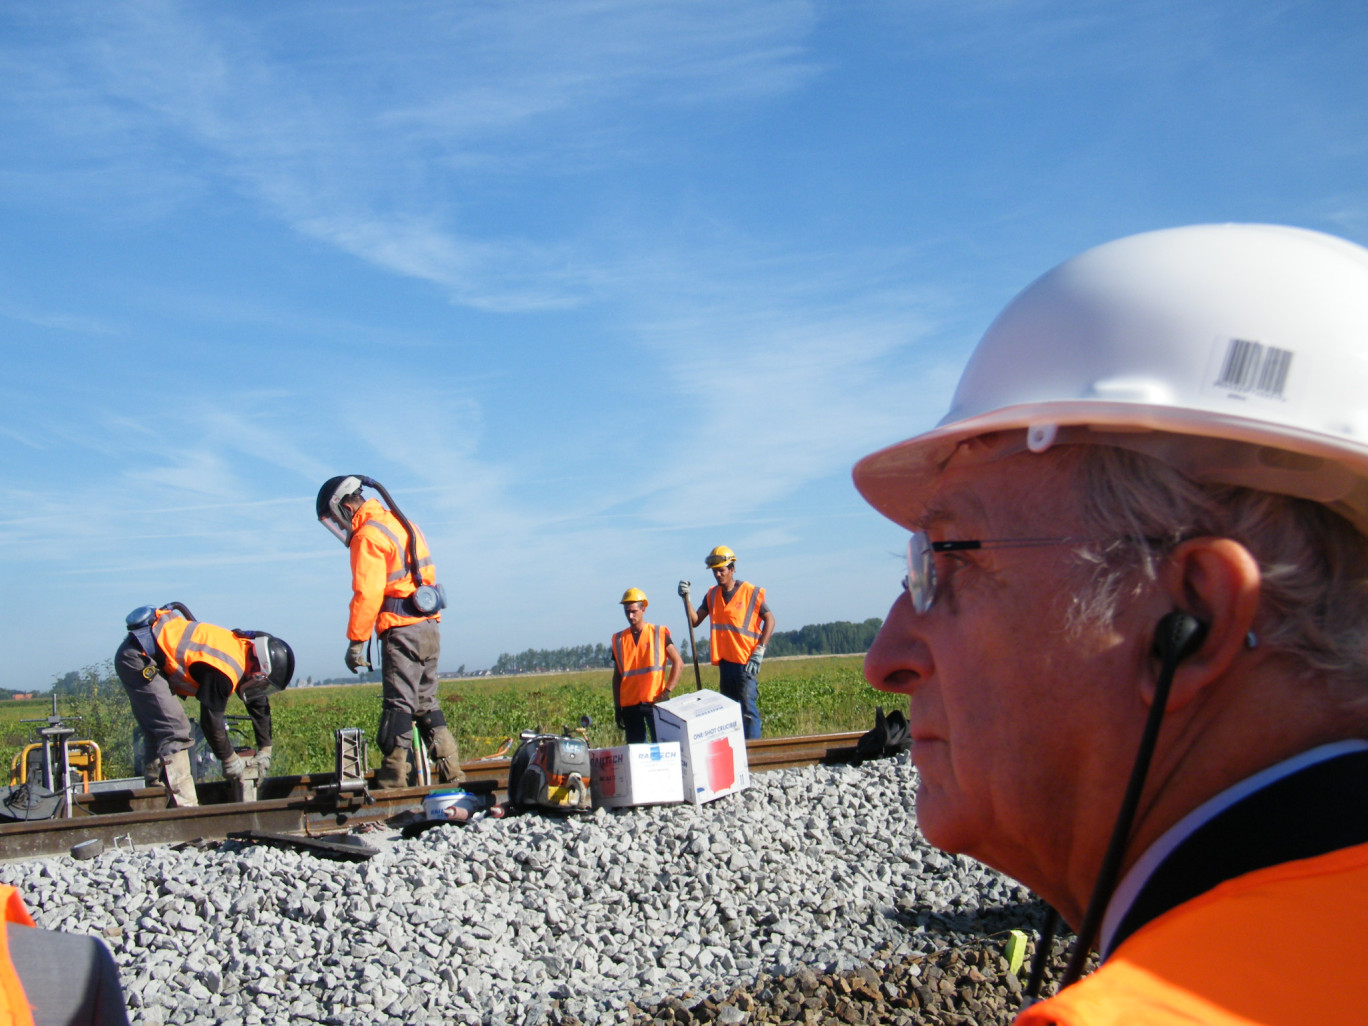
<point>152,772</point>
<point>394,771</point>
<point>179,779</point>
<point>446,756</point>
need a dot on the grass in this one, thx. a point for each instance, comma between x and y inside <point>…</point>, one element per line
<point>797,696</point>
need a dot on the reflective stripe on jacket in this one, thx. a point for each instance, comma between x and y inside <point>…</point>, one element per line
<point>379,562</point>
<point>14,1006</point>
<point>1215,959</point>
<point>735,624</point>
<point>184,643</point>
<point>641,663</point>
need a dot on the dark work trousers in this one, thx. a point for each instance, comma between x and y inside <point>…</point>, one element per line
<point>165,727</point>
<point>408,657</point>
<point>639,723</point>
<point>740,686</point>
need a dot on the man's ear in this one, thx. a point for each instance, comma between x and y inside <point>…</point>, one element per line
<point>1217,580</point>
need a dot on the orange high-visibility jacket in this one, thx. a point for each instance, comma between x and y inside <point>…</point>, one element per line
<point>735,624</point>
<point>1209,960</point>
<point>641,663</point>
<point>14,1006</point>
<point>187,642</point>
<point>380,570</point>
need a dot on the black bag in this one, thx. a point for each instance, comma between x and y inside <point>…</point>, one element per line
<point>888,738</point>
<point>550,771</point>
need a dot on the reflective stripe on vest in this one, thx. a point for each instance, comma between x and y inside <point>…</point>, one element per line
<point>390,541</point>
<point>187,642</point>
<point>14,1006</point>
<point>733,637</point>
<point>401,544</point>
<point>1191,965</point>
<point>641,663</point>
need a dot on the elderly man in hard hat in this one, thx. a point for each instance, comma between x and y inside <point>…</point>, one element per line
<point>395,594</point>
<point>166,653</point>
<point>641,653</point>
<point>1134,627</point>
<point>741,627</point>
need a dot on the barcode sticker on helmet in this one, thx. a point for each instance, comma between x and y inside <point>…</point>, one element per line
<point>1254,369</point>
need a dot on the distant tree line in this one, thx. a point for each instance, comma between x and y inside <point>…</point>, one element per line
<point>547,660</point>
<point>839,638</point>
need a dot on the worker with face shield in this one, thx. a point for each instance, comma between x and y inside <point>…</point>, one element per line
<point>395,594</point>
<point>168,655</point>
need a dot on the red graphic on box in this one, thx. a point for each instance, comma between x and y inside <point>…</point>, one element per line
<point>721,764</point>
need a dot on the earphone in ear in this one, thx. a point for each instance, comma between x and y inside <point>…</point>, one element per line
<point>1178,635</point>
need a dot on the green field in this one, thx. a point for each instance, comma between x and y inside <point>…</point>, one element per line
<point>797,696</point>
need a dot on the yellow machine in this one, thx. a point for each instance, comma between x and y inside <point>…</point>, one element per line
<point>83,763</point>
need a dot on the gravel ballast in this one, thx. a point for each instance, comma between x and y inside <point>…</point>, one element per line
<point>727,912</point>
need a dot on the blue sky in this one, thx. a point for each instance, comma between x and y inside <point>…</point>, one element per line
<point>591,286</point>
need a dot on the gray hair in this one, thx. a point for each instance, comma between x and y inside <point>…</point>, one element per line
<point>1313,562</point>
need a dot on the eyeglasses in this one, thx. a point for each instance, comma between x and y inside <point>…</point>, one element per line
<point>920,581</point>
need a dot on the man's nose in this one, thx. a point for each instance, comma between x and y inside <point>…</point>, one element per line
<point>900,657</point>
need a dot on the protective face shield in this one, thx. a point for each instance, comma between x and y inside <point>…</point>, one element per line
<point>275,665</point>
<point>328,506</point>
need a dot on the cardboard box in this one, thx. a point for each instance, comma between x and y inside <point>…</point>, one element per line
<point>707,725</point>
<point>637,775</point>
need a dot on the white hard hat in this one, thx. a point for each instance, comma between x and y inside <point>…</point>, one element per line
<point>1236,353</point>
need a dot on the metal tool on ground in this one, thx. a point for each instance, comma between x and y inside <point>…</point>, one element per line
<point>693,643</point>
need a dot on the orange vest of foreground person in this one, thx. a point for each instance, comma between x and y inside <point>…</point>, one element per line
<point>187,642</point>
<point>14,1006</point>
<point>1218,959</point>
<point>735,624</point>
<point>641,662</point>
<point>380,570</point>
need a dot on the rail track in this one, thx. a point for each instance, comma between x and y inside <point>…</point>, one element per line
<point>308,807</point>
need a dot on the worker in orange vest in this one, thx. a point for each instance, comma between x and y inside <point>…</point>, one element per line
<point>1132,628</point>
<point>741,628</point>
<point>395,594</point>
<point>166,655</point>
<point>47,976</point>
<point>641,654</point>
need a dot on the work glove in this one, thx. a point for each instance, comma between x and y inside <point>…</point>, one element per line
<point>261,762</point>
<point>684,589</point>
<point>356,657</point>
<point>753,663</point>
<point>617,718</point>
<point>234,766</point>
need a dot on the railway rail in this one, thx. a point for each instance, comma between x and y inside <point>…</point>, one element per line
<point>309,807</point>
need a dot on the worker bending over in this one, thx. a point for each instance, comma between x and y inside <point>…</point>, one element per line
<point>395,594</point>
<point>741,627</point>
<point>167,654</point>
<point>1133,633</point>
<point>640,654</point>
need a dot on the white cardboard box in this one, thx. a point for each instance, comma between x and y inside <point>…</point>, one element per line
<point>707,725</point>
<point>637,775</point>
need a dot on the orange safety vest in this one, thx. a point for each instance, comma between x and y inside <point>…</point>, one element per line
<point>380,570</point>
<point>14,1006</point>
<point>735,624</point>
<point>641,663</point>
<point>186,642</point>
<point>1214,960</point>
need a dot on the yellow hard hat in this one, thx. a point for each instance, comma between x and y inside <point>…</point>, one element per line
<point>720,556</point>
<point>635,595</point>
